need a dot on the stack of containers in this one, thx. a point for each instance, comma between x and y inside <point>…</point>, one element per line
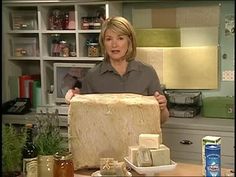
<point>183,104</point>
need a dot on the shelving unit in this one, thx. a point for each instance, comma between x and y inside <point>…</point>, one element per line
<point>30,21</point>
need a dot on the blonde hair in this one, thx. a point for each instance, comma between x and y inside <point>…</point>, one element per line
<point>121,26</point>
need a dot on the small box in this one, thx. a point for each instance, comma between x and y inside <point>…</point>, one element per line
<point>208,140</point>
<point>24,20</point>
<point>24,47</point>
<point>218,107</point>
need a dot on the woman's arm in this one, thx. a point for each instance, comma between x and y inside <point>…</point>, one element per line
<point>163,106</point>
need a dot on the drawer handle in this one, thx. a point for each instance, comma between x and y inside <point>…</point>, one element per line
<point>186,142</point>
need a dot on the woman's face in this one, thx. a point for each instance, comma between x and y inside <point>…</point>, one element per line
<point>116,45</point>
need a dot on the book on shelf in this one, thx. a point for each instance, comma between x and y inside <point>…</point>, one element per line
<point>28,87</point>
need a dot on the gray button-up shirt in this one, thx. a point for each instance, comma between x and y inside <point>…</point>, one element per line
<point>139,78</point>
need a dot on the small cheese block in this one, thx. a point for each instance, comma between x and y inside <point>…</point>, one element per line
<point>107,166</point>
<point>149,140</point>
<point>121,169</point>
<point>144,157</point>
<point>133,152</point>
<point>160,156</point>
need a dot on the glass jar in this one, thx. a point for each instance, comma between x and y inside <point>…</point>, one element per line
<point>97,23</point>
<point>64,49</point>
<point>93,50</point>
<point>63,165</point>
<point>84,23</point>
<point>72,47</point>
<point>55,45</point>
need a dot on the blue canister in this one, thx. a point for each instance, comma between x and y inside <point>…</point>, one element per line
<point>213,160</point>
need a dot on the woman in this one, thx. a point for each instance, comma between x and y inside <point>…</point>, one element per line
<point>120,72</point>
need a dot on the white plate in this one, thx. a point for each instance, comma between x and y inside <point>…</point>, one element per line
<point>97,173</point>
<point>150,171</point>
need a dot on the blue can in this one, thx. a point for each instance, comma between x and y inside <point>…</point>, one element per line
<point>213,160</point>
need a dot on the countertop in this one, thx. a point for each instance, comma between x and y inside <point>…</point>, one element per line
<point>181,169</point>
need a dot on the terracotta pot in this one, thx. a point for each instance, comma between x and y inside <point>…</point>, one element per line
<point>45,165</point>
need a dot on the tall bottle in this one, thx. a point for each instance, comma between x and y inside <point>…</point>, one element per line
<point>30,155</point>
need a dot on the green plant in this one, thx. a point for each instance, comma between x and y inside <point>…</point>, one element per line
<point>12,144</point>
<point>48,139</point>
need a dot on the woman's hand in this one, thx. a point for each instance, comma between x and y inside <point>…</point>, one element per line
<point>161,100</point>
<point>70,93</point>
<point>163,106</point>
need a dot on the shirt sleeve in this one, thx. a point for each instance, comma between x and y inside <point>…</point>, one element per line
<point>85,89</point>
<point>155,83</point>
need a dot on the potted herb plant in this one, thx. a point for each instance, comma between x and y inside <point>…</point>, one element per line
<point>48,141</point>
<point>13,141</point>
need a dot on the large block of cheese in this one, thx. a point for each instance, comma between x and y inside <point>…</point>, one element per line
<point>105,125</point>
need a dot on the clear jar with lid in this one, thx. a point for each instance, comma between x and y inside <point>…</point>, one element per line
<point>55,45</point>
<point>64,49</point>
<point>93,50</point>
<point>63,165</point>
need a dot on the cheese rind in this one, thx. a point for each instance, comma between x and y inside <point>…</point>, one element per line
<point>160,156</point>
<point>149,140</point>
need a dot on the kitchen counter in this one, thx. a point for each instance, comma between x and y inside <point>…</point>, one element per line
<point>182,169</point>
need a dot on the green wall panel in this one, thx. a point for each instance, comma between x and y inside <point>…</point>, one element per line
<point>158,37</point>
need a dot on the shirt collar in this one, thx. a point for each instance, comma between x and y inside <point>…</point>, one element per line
<point>106,66</point>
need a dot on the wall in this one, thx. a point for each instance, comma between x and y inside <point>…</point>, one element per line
<point>226,43</point>
<point>226,47</point>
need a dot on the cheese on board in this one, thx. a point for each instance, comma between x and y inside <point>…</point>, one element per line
<point>160,156</point>
<point>121,169</point>
<point>132,154</point>
<point>149,140</point>
<point>144,157</point>
<point>105,125</point>
<point>107,166</point>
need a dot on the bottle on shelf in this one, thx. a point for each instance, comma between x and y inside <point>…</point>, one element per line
<point>30,155</point>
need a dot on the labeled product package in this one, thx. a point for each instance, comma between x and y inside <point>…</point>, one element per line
<point>214,140</point>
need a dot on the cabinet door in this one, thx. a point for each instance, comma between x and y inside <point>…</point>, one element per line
<point>191,140</point>
<point>186,145</point>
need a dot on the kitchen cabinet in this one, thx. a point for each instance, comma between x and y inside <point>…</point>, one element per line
<point>31,28</point>
<point>184,137</point>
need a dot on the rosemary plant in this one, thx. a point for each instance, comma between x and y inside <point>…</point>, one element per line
<point>48,139</point>
<point>12,144</point>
